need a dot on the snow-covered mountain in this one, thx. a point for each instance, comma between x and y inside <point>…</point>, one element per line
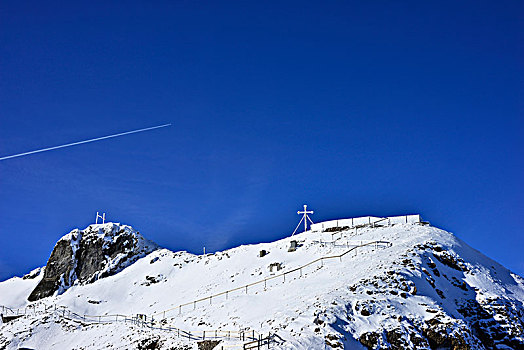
<point>395,286</point>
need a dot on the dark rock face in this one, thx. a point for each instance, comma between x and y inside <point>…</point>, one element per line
<point>60,264</point>
<point>370,339</point>
<point>86,256</point>
<point>207,344</point>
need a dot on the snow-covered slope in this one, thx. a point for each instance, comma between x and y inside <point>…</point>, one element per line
<point>426,289</point>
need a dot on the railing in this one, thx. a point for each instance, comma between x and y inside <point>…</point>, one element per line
<point>265,280</point>
<point>64,313</point>
<point>259,343</point>
<point>365,220</point>
<point>142,320</point>
<point>116,317</point>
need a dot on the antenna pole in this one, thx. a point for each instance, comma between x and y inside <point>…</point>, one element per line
<point>305,218</point>
<point>103,217</point>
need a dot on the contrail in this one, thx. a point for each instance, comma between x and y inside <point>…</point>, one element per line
<point>85,141</point>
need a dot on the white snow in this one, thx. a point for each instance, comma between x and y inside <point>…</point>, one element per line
<point>163,280</point>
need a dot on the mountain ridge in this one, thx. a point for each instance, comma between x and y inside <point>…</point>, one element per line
<point>428,290</point>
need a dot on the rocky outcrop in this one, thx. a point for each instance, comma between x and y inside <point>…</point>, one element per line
<point>463,318</point>
<point>84,256</point>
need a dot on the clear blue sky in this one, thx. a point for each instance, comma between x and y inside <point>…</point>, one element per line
<point>353,107</point>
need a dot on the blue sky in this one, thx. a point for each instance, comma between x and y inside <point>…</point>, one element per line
<point>354,108</point>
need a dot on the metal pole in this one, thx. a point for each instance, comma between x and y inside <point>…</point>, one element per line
<point>305,219</point>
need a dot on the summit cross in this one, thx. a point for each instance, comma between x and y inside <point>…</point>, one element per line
<point>305,217</point>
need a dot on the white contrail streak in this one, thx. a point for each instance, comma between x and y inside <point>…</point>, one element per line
<point>81,142</point>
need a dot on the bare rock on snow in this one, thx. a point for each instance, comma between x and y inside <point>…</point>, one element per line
<point>84,256</point>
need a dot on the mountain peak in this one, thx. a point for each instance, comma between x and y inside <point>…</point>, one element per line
<point>84,256</point>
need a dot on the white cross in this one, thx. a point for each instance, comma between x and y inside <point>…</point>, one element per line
<point>305,217</point>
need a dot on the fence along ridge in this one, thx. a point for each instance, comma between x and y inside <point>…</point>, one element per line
<point>229,290</point>
<point>242,335</point>
<point>271,277</point>
<point>189,333</point>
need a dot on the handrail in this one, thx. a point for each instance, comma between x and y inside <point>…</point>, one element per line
<point>62,309</point>
<point>268,278</point>
<point>194,335</point>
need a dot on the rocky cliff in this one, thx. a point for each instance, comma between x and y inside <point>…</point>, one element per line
<point>84,256</point>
